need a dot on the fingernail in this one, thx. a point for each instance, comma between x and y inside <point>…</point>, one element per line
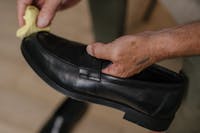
<point>89,49</point>
<point>42,22</point>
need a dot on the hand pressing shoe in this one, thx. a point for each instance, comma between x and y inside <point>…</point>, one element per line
<point>149,99</point>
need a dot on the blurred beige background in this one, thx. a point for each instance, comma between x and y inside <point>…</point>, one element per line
<point>26,101</point>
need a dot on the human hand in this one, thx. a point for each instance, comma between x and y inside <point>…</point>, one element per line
<point>47,8</point>
<point>129,54</point>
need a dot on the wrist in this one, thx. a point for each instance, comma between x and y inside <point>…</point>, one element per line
<point>165,44</point>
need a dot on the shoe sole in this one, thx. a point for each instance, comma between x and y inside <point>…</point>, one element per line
<point>131,114</point>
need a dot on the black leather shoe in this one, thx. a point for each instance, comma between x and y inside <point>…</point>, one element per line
<point>149,99</point>
<point>66,117</point>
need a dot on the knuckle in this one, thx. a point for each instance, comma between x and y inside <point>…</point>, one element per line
<point>116,54</point>
<point>45,11</point>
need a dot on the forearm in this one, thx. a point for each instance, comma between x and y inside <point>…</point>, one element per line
<point>179,41</point>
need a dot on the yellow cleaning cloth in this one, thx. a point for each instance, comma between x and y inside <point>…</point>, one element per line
<point>30,26</point>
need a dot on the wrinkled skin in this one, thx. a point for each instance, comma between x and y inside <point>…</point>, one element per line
<point>129,54</point>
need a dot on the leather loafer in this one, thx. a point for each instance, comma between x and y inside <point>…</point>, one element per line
<point>149,99</point>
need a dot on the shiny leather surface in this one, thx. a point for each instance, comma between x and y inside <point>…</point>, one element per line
<point>156,91</point>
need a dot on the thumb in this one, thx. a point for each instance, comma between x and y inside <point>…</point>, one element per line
<point>47,12</point>
<point>100,50</point>
<point>113,69</point>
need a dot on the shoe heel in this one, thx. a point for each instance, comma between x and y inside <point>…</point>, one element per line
<point>146,121</point>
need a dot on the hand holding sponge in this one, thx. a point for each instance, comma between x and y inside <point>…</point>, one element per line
<point>30,26</point>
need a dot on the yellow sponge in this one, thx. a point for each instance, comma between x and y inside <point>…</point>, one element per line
<point>30,26</point>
